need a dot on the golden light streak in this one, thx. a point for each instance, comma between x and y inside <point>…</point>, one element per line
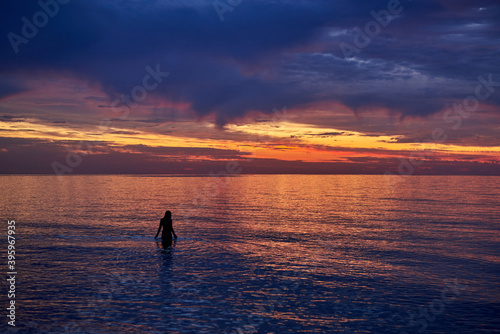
<point>283,140</point>
<point>311,135</point>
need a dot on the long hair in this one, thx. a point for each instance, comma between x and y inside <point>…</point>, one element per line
<point>168,214</point>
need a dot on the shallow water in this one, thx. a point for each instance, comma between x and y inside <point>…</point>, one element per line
<point>256,254</point>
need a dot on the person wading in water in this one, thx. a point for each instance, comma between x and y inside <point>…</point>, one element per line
<point>168,230</point>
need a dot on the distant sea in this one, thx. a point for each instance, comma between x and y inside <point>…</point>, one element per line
<point>255,254</point>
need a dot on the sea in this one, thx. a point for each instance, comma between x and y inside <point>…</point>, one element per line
<point>254,254</point>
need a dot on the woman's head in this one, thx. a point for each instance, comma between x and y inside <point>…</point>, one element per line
<point>168,214</point>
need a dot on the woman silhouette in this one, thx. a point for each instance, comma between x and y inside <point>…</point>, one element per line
<point>168,230</point>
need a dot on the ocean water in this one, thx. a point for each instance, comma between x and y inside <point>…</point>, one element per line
<point>255,254</point>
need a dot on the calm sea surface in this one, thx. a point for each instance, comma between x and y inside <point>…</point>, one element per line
<point>255,254</point>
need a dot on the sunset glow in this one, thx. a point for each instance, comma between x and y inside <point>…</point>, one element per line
<point>307,109</point>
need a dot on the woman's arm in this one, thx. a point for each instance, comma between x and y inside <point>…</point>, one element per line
<point>173,232</point>
<point>159,228</point>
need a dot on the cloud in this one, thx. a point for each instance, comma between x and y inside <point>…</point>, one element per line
<point>265,54</point>
<point>9,118</point>
<point>9,86</point>
<point>23,155</point>
<point>327,134</point>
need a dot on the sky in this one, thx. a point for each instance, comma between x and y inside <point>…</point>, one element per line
<point>249,86</point>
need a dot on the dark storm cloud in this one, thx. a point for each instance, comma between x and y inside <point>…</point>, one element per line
<point>265,54</point>
<point>434,50</point>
